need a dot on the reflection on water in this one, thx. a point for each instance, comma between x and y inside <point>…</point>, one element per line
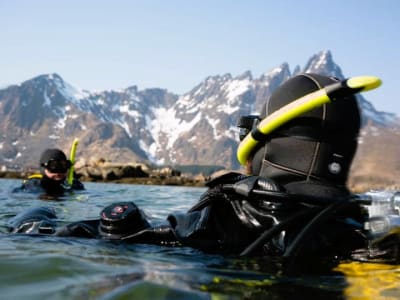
<point>46,267</point>
<point>371,281</point>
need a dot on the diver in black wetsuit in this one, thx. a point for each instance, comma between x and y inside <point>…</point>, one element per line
<point>51,181</point>
<point>293,202</point>
<point>298,171</point>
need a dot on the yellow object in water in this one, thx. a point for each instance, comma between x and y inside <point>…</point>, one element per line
<point>37,176</point>
<point>70,177</point>
<point>371,281</point>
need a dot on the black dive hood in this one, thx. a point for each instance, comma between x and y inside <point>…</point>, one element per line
<point>318,146</point>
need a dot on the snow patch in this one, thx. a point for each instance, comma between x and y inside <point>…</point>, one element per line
<point>130,112</point>
<point>166,124</point>
<point>68,91</point>
<point>125,126</point>
<point>272,73</point>
<point>60,123</point>
<point>47,101</point>
<point>151,151</point>
<point>236,88</point>
<point>228,109</point>
<point>322,60</point>
<point>214,124</point>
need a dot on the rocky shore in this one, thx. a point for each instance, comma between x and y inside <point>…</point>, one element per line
<point>129,173</point>
<point>138,173</point>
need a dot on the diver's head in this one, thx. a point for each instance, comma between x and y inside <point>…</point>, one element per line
<point>54,164</point>
<point>316,146</point>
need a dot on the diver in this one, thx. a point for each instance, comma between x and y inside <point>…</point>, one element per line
<point>52,180</point>
<point>293,174</point>
<point>292,201</point>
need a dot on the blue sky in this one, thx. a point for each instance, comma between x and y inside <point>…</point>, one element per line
<point>175,44</point>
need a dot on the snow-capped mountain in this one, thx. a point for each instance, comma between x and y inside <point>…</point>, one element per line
<point>198,127</point>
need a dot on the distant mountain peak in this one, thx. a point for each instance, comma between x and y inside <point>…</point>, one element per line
<point>322,63</point>
<point>245,75</point>
<point>45,78</point>
<point>281,69</point>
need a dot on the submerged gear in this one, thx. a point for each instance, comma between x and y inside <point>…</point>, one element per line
<point>237,210</point>
<point>229,217</point>
<point>120,220</point>
<point>36,220</point>
<point>318,146</point>
<point>246,215</point>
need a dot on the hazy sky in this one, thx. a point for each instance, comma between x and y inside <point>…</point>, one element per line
<point>173,44</point>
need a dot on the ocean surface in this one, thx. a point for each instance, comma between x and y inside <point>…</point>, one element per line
<point>47,267</point>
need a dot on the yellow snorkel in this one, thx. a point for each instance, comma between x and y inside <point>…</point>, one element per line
<point>70,177</point>
<point>329,93</point>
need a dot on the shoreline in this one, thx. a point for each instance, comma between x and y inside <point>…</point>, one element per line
<point>355,185</point>
<point>153,180</point>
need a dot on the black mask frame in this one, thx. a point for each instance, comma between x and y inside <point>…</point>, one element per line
<point>57,166</point>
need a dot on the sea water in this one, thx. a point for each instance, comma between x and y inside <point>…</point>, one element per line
<point>47,267</point>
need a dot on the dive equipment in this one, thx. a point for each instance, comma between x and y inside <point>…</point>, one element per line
<point>329,93</point>
<point>383,219</point>
<point>35,220</point>
<point>246,124</point>
<point>384,213</point>
<point>121,219</point>
<point>35,176</point>
<point>70,177</point>
<point>57,166</point>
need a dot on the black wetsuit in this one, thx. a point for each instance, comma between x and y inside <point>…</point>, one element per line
<point>236,215</point>
<point>41,184</point>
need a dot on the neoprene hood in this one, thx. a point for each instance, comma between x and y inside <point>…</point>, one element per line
<point>317,146</point>
<point>49,154</point>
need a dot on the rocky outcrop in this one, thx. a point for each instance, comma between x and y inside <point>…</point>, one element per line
<point>110,171</point>
<point>102,170</point>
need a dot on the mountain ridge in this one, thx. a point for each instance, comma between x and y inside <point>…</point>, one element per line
<point>151,125</point>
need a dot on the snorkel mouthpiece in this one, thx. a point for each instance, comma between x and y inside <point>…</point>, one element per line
<point>351,86</point>
<point>333,92</point>
<point>364,83</point>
